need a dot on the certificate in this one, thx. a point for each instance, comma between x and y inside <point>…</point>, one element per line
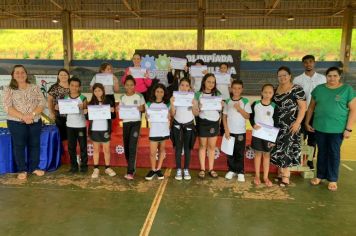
<point>212,103</point>
<point>156,115</point>
<point>266,132</point>
<point>68,106</point>
<point>138,72</point>
<point>129,113</point>
<point>227,145</point>
<point>197,71</point>
<point>104,78</point>
<point>99,112</point>
<point>222,78</point>
<point>183,99</point>
<point>178,63</point>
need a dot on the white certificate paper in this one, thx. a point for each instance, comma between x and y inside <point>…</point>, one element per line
<point>99,112</point>
<point>222,78</point>
<point>129,113</point>
<point>68,106</point>
<point>137,72</point>
<point>104,78</point>
<point>266,132</point>
<point>183,99</point>
<point>212,103</point>
<point>156,115</point>
<point>227,145</point>
<point>197,71</point>
<point>178,63</point>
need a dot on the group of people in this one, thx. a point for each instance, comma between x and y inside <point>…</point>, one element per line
<point>323,108</point>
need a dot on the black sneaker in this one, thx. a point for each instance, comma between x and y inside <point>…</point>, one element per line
<point>159,174</point>
<point>73,170</point>
<point>310,164</point>
<point>150,175</point>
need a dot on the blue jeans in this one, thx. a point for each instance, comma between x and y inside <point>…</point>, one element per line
<point>24,135</point>
<point>328,155</point>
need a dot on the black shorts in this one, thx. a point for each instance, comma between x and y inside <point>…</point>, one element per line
<point>100,136</point>
<point>207,128</point>
<point>260,145</point>
<point>158,139</point>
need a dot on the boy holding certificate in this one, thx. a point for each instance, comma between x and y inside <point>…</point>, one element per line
<point>76,128</point>
<point>236,110</point>
<point>262,112</point>
<point>100,128</point>
<point>131,124</point>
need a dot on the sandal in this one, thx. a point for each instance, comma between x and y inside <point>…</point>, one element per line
<point>201,174</point>
<point>332,186</point>
<point>315,181</point>
<point>257,181</point>
<point>38,172</point>
<point>283,183</point>
<point>268,182</point>
<point>22,176</point>
<point>213,174</point>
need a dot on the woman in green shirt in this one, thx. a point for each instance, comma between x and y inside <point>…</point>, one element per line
<point>334,108</point>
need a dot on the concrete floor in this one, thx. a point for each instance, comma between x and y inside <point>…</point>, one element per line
<point>63,204</point>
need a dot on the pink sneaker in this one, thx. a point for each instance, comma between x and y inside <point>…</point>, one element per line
<point>129,176</point>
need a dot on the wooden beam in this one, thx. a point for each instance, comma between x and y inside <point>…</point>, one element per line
<point>274,5</point>
<point>201,25</point>
<point>67,39</point>
<point>9,13</point>
<point>345,47</point>
<point>57,5</point>
<point>128,6</point>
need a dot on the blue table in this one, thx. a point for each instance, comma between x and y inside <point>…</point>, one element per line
<point>50,157</point>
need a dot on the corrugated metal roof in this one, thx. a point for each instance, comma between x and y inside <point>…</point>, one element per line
<point>174,14</point>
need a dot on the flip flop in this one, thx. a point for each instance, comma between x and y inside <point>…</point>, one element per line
<point>315,181</point>
<point>22,176</point>
<point>201,174</point>
<point>213,174</point>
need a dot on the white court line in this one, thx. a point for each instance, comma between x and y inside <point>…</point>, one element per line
<point>347,167</point>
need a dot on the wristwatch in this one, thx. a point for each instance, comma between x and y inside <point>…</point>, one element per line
<point>350,130</point>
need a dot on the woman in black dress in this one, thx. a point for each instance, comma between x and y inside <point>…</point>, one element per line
<point>289,113</point>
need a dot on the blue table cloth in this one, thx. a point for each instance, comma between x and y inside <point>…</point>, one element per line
<point>50,157</point>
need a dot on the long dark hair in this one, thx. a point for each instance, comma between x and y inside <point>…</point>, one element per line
<point>214,91</point>
<point>153,91</point>
<point>62,70</point>
<point>94,100</point>
<point>13,83</point>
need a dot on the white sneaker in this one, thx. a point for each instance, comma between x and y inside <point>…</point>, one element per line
<point>110,172</point>
<point>186,174</point>
<point>230,175</point>
<point>178,174</point>
<point>95,173</point>
<point>241,178</point>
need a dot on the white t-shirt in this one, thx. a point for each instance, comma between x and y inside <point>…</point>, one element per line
<point>158,129</point>
<point>99,125</point>
<point>134,100</point>
<point>208,115</point>
<point>235,121</point>
<point>184,115</point>
<point>309,83</point>
<point>76,120</point>
<point>263,113</point>
<point>109,89</point>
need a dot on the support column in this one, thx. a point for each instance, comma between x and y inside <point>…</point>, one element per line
<point>201,25</point>
<point>345,49</point>
<point>67,33</point>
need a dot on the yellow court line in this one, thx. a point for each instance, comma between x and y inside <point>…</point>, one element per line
<point>146,228</point>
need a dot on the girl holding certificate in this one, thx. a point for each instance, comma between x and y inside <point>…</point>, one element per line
<point>208,122</point>
<point>143,82</point>
<point>132,125</point>
<point>197,80</point>
<point>157,114</point>
<point>183,132</point>
<point>100,131</point>
<point>262,112</point>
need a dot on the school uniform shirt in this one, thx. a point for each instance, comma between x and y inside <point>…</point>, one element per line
<point>235,121</point>
<point>208,115</point>
<point>109,89</point>
<point>309,83</point>
<point>158,129</point>
<point>134,100</point>
<point>184,115</point>
<point>76,120</point>
<point>262,113</point>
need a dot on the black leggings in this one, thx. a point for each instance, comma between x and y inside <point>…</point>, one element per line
<point>182,143</point>
<point>131,133</point>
